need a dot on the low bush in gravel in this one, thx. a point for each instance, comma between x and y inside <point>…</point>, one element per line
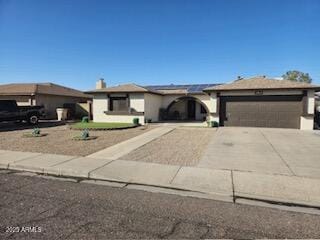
<point>36,132</point>
<point>85,136</point>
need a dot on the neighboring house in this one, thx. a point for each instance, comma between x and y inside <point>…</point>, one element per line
<point>317,116</point>
<point>254,102</point>
<point>51,96</point>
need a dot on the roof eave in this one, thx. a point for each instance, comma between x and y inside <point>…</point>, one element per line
<point>126,92</point>
<point>250,89</point>
<point>17,94</point>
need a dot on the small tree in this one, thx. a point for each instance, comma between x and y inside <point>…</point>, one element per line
<point>297,76</point>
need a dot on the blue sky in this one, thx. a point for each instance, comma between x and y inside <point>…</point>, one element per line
<point>74,42</point>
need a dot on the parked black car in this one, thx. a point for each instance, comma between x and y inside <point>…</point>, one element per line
<point>10,111</point>
<point>317,119</point>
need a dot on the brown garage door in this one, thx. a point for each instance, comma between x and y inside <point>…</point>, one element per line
<point>261,111</point>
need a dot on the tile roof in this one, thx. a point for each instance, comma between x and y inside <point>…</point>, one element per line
<point>173,91</point>
<point>262,83</point>
<point>157,89</point>
<point>40,88</point>
<point>125,88</point>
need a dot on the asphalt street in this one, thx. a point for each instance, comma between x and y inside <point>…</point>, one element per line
<point>33,207</point>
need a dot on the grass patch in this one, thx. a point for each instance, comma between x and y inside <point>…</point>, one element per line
<point>101,126</point>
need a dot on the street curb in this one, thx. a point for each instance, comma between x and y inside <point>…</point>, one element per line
<point>278,205</point>
<point>166,189</point>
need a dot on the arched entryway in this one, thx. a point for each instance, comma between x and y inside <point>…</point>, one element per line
<point>187,108</point>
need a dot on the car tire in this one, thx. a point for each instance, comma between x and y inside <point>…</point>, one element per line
<point>33,119</point>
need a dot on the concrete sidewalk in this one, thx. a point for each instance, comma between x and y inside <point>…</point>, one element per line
<point>223,185</point>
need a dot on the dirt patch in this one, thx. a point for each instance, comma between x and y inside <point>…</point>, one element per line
<point>59,140</point>
<point>182,147</point>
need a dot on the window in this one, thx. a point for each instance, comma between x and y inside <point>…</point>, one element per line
<point>118,104</point>
<point>203,110</point>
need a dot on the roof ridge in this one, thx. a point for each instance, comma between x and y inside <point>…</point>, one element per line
<point>263,83</point>
<point>65,87</point>
<point>269,79</point>
<point>44,88</point>
<point>138,85</point>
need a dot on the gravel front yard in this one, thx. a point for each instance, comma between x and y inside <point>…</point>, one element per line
<point>59,140</point>
<point>182,146</point>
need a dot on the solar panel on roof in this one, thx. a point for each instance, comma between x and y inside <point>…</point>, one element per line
<point>191,88</point>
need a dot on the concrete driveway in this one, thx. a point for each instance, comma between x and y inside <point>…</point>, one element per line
<point>275,165</point>
<point>262,150</point>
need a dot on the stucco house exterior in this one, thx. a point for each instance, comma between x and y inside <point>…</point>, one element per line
<point>49,95</point>
<point>125,102</point>
<point>256,102</point>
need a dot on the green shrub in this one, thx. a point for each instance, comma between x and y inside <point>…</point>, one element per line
<point>85,119</point>
<point>135,121</point>
<point>36,132</point>
<point>214,124</point>
<point>85,134</point>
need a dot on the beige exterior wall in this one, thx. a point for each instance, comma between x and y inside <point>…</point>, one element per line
<point>52,102</point>
<point>21,100</point>
<point>306,123</point>
<point>213,103</point>
<point>200,116</point>
<point>83,109</point>
<point>137,101</point>
<point>215,118</point>
<point>167,99</point>
<point>204,98</point>
<point>311,102</point>
<point>152,105</point>
<point>100,105</point>
<point>119,118</point>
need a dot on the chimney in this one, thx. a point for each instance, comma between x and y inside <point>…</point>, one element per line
<point>100,84</point>
<point>239,78</point>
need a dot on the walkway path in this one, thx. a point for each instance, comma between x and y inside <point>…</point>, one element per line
<point>123,148</point>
